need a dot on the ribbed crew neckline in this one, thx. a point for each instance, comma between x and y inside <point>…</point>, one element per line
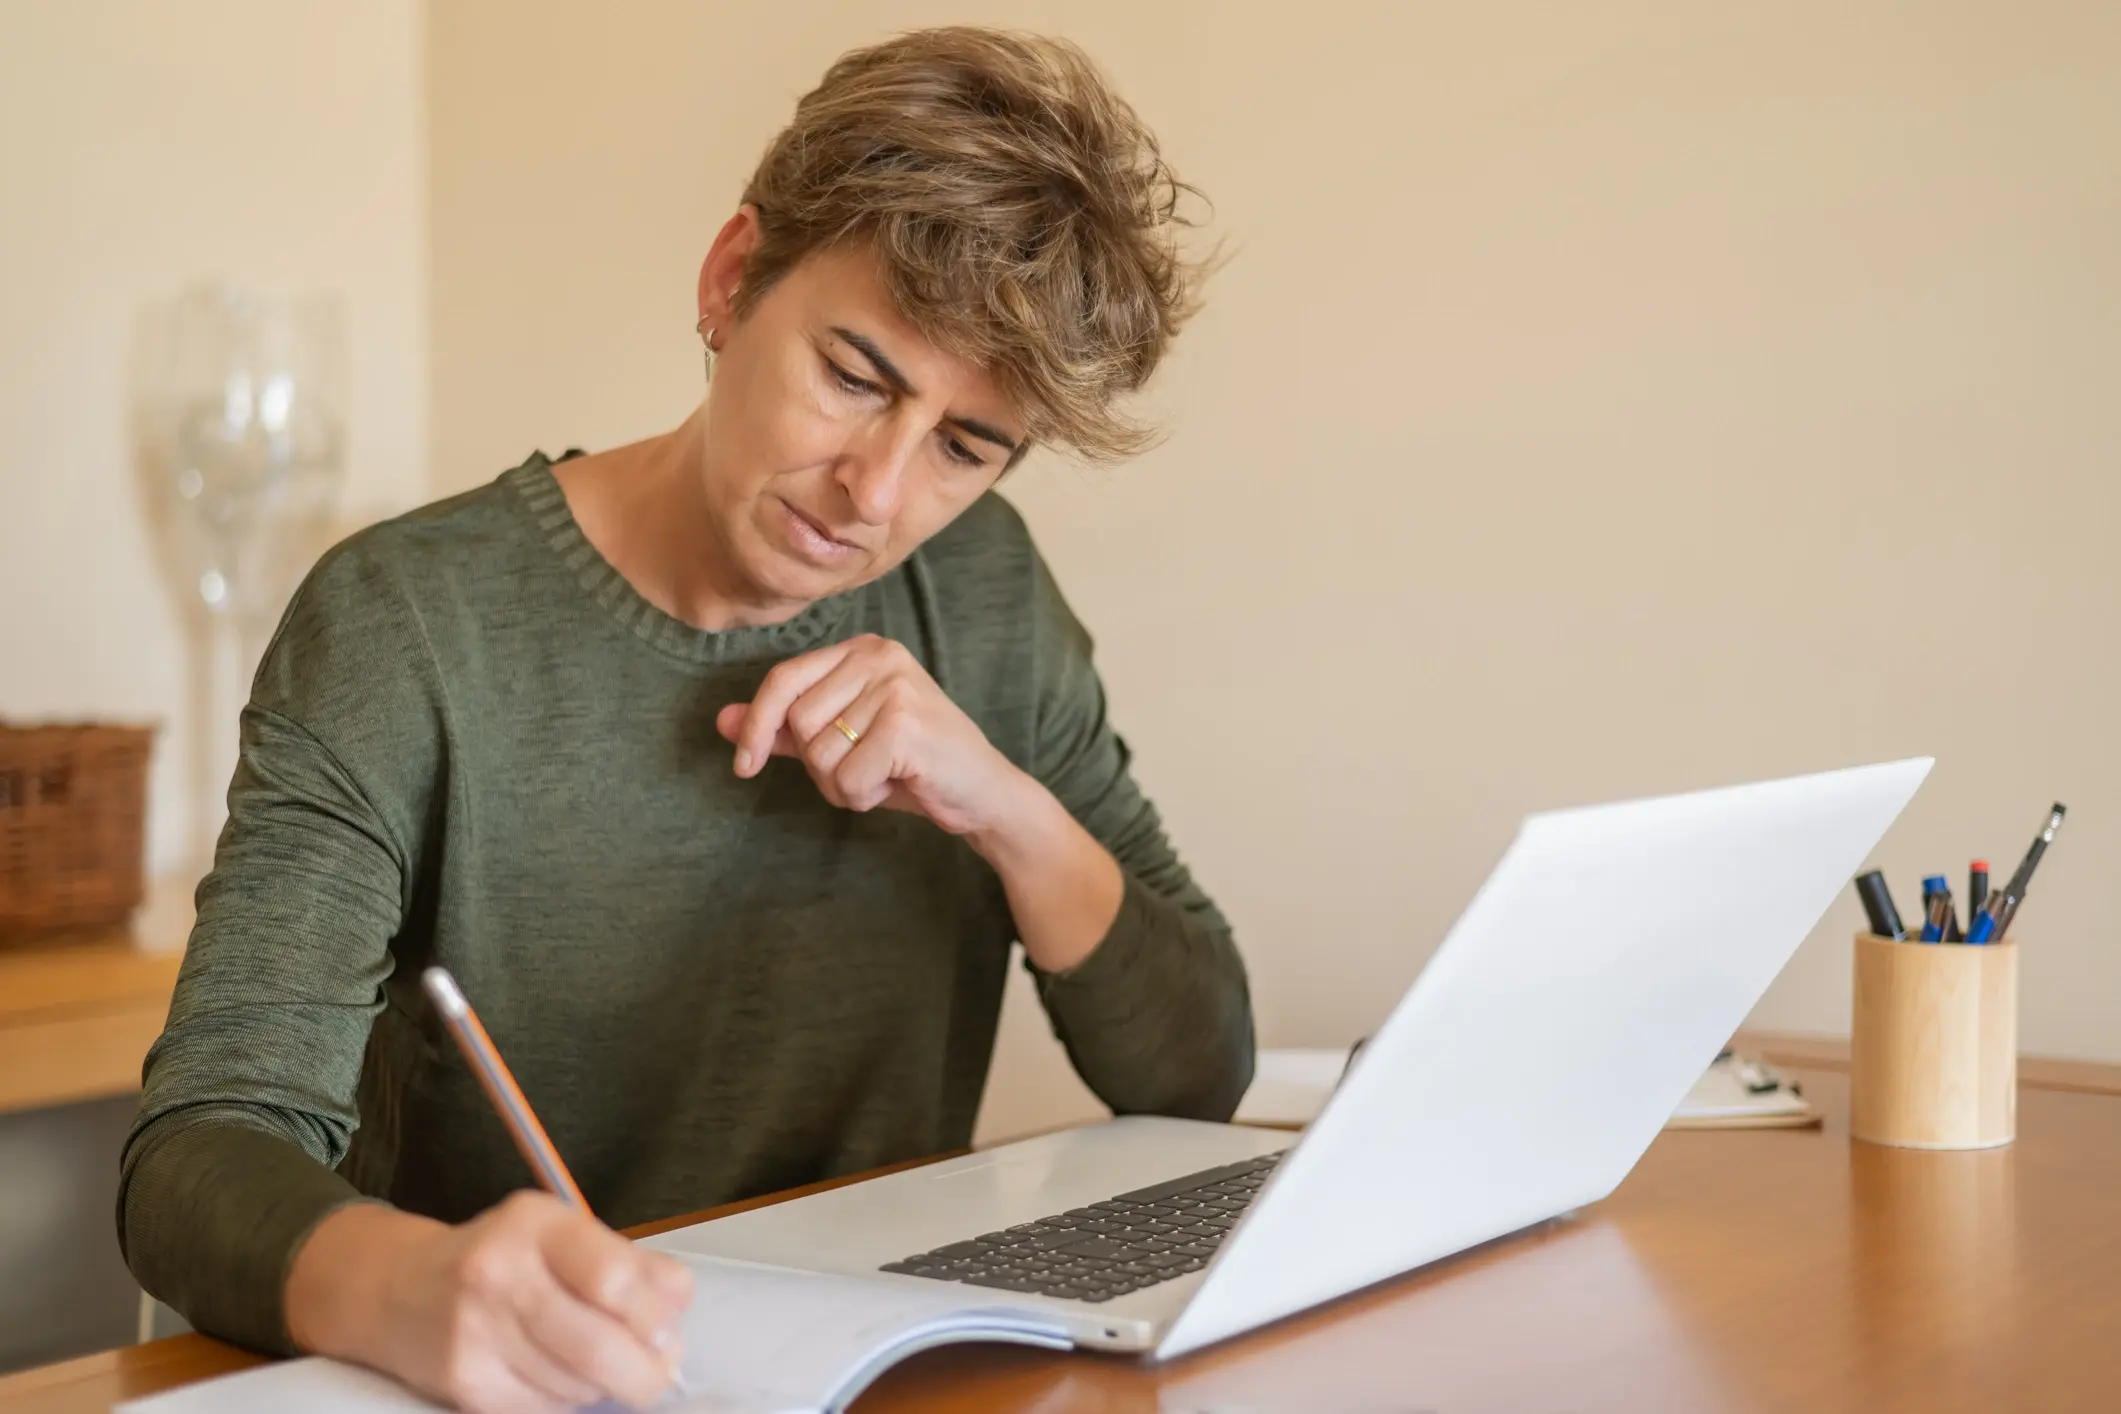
<point>625,605</point>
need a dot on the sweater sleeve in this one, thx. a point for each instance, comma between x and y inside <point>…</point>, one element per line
<point>248,1097</point>
<point>1157,1019</point>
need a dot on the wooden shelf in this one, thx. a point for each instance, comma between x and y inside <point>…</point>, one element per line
<point>77,1016</point>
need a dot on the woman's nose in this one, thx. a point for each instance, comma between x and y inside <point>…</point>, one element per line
<point>874,474</point>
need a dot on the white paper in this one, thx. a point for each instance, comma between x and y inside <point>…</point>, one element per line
<point>811,1341</point>
<point>1723,1092</point>
<point>1291,1086</point>
<point>312,1386</point>
<point>758,1340</point>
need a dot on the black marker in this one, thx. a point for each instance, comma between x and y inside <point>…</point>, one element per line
<point>1878,906</point>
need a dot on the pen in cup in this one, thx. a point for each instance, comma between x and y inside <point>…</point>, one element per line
<point>1937,909</point>
<point>1878,908</point>
<point>1932,885</point>
<point>1994,921</point>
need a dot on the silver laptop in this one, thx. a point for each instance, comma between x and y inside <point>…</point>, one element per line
<point>1606,960</point>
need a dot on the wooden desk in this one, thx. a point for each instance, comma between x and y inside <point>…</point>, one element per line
<point>1737,1270</point>
<point>77,1017</point>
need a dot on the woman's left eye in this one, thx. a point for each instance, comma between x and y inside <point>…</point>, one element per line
<point>962,454</point>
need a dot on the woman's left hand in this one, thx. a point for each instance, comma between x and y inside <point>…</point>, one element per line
<point>874,730</point>
<point>907,746</point>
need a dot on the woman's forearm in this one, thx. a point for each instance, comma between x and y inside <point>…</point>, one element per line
<point>1064,887</point>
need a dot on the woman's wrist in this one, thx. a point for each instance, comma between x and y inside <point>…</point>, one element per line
<point>1023,822</point>
<point>339,1281</point>
<point>1064,887</point>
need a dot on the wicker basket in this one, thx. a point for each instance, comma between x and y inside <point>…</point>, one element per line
<point>73,806</point>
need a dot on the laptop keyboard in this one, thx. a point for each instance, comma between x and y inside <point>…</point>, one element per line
<point>1107,1249</point>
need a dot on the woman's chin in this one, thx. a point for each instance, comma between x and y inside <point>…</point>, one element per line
<point>789,576</point>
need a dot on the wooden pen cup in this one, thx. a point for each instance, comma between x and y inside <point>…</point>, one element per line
<point>1933,1058</point>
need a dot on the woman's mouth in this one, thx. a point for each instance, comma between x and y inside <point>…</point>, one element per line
<point>812,540</point>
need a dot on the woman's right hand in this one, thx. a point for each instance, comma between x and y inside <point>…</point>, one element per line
<point>531,1306</point>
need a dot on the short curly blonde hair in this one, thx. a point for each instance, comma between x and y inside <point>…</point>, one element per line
<point>1024,217</point>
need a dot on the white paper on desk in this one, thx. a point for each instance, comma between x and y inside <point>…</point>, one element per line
<point>1723,1092</point>
<point>758,1340</point>
<point>1291,1087</point>
<point>312,1386</point>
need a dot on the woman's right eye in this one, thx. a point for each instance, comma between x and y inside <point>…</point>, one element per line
<point>848,381</point>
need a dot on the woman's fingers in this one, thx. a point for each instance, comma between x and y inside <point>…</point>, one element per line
<point>815,706</point>
<point>644,1291</point>
<point>541,1371</point>
<point>730,723</point>
<point>533,1308</point>
<point>863,773</point>
<point>783,687</point>
<point>874,731</point>
<point>815,718</point>
<point>592,1348</point>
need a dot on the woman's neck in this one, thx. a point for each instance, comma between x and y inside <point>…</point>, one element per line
<point>644,508</point>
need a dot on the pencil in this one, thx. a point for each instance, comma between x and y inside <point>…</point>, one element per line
<point>500,1086</point>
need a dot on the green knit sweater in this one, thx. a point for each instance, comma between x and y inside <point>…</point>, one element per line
<point>472,743</point>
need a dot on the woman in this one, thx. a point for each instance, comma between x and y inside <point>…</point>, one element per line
<point>722,769</point>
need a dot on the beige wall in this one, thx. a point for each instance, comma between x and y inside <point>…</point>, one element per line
<point>143,146</point>
<point>1605,399</point>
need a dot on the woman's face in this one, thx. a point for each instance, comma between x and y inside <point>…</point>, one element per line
<point>837,438</point>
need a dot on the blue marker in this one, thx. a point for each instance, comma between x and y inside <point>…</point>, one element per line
<point>1937,906</point>
<point>1933,885</point>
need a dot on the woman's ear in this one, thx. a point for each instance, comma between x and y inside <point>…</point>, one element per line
<point>723,269</point>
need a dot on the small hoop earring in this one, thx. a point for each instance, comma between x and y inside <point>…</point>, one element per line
<point>707,344</point>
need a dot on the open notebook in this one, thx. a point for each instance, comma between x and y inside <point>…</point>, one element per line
<point>1290,1087</point>
<point>758,1340</point>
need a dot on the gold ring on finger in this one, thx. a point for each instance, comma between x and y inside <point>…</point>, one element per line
<point>846,731</point>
